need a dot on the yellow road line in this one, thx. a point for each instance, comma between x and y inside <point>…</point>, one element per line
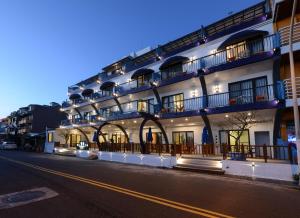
<point>151,198</point>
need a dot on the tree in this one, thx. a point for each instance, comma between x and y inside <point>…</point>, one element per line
<point>239,122</point>
<point>65,133</point>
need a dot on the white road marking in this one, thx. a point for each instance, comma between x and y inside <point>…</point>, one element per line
<point>26,197</point>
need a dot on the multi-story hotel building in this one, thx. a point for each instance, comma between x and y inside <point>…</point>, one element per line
<point>184,92</point>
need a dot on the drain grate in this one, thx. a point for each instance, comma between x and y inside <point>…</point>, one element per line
<point>25,197</point>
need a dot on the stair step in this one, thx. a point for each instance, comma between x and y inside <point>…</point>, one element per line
<point>215,171</point>
<point>201,166</point>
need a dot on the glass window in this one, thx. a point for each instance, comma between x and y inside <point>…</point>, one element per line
<point>50,137</point>
<point>248,91</point>
<point>173,103</point>
<point>228,137</point>
<point>183,138</point>
<point>146,105</point>
<point>144,80</point>
<point>172,71</point>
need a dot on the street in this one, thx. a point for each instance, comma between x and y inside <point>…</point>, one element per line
<point>92,188</point>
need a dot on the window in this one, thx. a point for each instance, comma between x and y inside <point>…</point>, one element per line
<point>173,103</point>
<point>108,91</point>
<point>227,137</point>
<point>74,140</point>
<point>146,105</point>
<point>50,137</point>
<point>144,80</point>
<point>244,49</point>
<point>248,91</point>
<point>87,115</point>
<point>75,118</point>
<point>172,71</point>
<point>236,51</point>
<point>184,138</point>
<point>156,136</point>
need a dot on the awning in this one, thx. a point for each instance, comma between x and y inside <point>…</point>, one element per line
<point>141,72</point>
<point>241,36</point>
<point>172,61</point>
<point>87,92</point>
<point>107,84</point>
<point>74,96</point>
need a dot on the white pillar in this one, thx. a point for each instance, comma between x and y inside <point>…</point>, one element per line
<point>293,81</point>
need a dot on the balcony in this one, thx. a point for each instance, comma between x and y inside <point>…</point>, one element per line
<point>288,88</point>
<point>285,32</point>
<point>251,98</point>
<point>241,54</point>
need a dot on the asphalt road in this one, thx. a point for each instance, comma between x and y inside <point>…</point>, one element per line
<point>92,188</point>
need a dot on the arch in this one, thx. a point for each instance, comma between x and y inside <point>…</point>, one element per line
<point>116,125</point>
<point>158,124</point>
<point>85,136</point>
<point>99,133</point>
<point>78,112</point>
<point>95,109</point>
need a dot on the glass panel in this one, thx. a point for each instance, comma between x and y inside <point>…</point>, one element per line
<point>261,89</point>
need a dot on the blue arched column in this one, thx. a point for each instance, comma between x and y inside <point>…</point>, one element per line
<point>148,117</point>
<point>99,132</point>
<point>205,105</point>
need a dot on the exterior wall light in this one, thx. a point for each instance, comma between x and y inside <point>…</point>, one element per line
<point>115,94</point>
<point>226,115</point>
<point>217,88</point>
<point>134,121</point>
<point>98,81</point>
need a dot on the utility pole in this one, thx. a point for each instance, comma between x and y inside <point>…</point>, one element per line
<point>293,80</point>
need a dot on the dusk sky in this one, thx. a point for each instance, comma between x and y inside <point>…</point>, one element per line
<point>48,45</point>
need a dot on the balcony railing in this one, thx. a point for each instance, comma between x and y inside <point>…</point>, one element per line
<point>244,96</point>
<point>288,88</point>
<point>238,52</point>
<point>285,33</point>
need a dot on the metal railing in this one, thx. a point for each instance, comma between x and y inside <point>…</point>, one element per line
<point>244,96</point>
<point>265,152</point>
<point>237,52</point>
<point>288,88</point>
<point>285,32</point>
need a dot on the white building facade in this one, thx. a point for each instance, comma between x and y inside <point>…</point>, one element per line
<point>178,98</point>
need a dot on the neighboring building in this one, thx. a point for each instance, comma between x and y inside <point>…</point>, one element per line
<point>3,128</point>
<point>186,89</point>
<point>33,120</point>
<point>281,20</point>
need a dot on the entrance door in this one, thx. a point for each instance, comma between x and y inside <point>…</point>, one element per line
<point>261,138</point>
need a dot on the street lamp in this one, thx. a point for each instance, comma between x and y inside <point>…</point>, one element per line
<point>293,81</point>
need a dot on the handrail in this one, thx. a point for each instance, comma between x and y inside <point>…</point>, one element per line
<point>288,88</point>
<point>284,33</point>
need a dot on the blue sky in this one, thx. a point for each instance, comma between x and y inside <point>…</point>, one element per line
<point>47,45</point>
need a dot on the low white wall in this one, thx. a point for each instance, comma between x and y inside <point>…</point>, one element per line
<point>49,147</point>
<point>276,171</point>
<point>140,159</point>
<point>84,153</point>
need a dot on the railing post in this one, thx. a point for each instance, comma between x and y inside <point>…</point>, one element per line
<point>224,151</point>
<point>265,152</point>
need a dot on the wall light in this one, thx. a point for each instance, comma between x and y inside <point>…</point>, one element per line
<point>217,88</point>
